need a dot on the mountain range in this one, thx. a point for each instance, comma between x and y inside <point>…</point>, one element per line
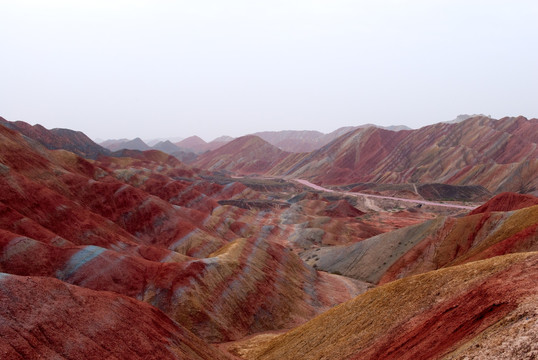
<point>404,244</point>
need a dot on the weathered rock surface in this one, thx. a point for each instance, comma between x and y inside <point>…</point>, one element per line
<point>500,155</point>
<point>434,244</point>
<point>245,155</point>
<point>44,318</point>
<point>429,316</point>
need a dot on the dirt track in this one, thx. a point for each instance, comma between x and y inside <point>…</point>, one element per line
<point>424,202</point>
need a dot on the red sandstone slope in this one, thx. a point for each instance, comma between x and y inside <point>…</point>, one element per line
<point>46,318</point>
<point>244,155</point>
<point>434,244</point>
<point>74,141</point>
<point>226,296</point>
<point>356,151</point>
<point>450,313</point>
<point>95,224</point>
<point>507,202</point>
<point>300,141</point>
<point>501,155</point>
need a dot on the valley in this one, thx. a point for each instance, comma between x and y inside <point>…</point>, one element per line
<point>373,244</point>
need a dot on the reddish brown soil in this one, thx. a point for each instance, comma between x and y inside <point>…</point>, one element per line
<point>506,202</point>
<point>42,317</point>
<point>341,208</point>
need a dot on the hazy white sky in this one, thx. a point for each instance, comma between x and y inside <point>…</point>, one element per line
<point>158,68</point>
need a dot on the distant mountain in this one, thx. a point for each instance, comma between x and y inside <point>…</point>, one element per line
<point>218,142</point>
<point>293,140</point>
<point>223,139</point>
<point>297,141</point>
<point>199,146</point>
<point>184,155</point>
<point>463,117</point>
<point>74,141</point>
<point>245,155</point>
<point>112,143</point>
<point>193,143</point>
<point>153,142</point>
<point>308,140</point>
<point>167,147</point>
<point>135,144</point>
<point>501,155</point>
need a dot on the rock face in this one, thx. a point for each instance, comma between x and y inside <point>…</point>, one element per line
<point>45,318</point>
<point>440,314</point>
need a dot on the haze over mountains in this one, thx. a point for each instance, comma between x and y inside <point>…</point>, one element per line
<point>287,140</point>
<point>417,244</point>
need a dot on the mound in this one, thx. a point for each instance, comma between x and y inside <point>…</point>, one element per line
<point>507,201</point>
<point>248,286</point>
<point>424,317</point>
<point>245,155</point>
<point>341,208</point>
<point>46,318</point>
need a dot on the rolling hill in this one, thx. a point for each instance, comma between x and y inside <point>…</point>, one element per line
<point>245,155</point>
<point>217,266</point>
<point>484,309</point>
<point>500,155</point>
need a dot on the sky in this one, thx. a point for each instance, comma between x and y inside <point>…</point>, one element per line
<point>163,68</point>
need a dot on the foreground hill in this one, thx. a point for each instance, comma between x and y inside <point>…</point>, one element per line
<point>459,312</point>
<point>501,155</point>
<point>71,322</point>
<point>245,155</point>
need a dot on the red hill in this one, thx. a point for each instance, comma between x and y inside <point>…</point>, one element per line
<point>74,141</point>
<point>485,310</point>
<point>193,143</point>
<point>507,202</point>
<point>501,155</point>
<point>341,208</point>
<point>245,155</point>
<point>72,322</point>
<point>128,225</point>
